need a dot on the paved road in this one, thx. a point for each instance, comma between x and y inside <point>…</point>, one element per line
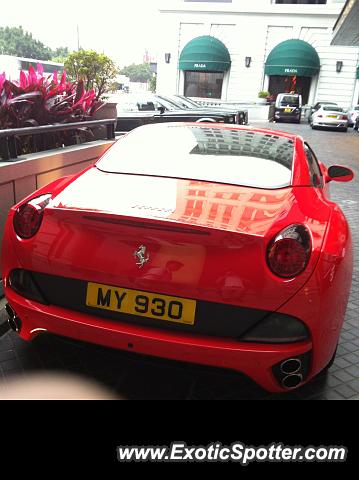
<point>139,377</point>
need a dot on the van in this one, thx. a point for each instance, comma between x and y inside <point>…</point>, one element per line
<point>288,106</point>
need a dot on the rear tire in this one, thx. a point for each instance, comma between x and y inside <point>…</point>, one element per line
<point>331,361</point>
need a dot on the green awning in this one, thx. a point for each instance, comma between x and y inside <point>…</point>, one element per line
<point>293,57</point>
<point>206,54</point>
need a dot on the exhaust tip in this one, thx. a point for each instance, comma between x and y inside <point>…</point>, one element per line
<point>292,381</point>
<point>291,366</point>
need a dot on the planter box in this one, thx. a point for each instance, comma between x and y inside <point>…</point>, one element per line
<point>108,110</point>
<point>30,172</point>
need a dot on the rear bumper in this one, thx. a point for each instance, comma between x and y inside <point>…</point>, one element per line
<point>335,125</point>
<point>294,117</point>
<point>254,360</point>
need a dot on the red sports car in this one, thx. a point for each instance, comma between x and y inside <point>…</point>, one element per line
<point>206,243</point>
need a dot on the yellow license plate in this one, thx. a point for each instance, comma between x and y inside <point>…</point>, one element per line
<point>143,304</point>
<point>331,116</point>
<point>287,110</point>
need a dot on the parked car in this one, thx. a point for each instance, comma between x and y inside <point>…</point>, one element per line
<point>288,107</point>
<point>317,106</point>
<point>213,244</point>
<point>353,113</point>
<point>329,116</point>
<point>188,103</point>
<point>143,109</point>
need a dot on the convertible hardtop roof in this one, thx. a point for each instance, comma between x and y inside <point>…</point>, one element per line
<point>212,152</point>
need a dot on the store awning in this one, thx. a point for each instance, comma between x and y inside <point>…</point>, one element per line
<point>293,57</point>
<point>206,54</point>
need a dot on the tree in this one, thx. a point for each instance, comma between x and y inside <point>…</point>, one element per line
<point>96,70</point>
<point>14,41</point>
<point>153,83</point>
<point>60,54</point>
<point>138,73</point>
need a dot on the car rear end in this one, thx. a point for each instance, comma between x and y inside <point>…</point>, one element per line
<point>288,108</point>
<point>331,117</point>
<point>187,269</point>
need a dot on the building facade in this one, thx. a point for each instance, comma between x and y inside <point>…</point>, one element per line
<point>233,49</point>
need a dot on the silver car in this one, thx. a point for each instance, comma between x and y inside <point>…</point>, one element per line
<point>330,116</point>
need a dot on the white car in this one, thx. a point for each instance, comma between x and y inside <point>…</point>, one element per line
<point>352,115</point>
<point>330,116</point>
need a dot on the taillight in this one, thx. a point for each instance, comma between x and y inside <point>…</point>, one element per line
<point>289,252</point>
<point>28,217</point>
<point>320,116</point>
<point>344,117</point>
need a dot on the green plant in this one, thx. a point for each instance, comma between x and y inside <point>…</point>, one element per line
<point>138,73</point>
<point>96,70</point>
<point>263,94</point>
<point>153,84</point>
<point>36,99</point>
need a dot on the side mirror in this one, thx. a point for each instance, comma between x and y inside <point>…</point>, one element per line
<point>161,109</point>
<point>339,173</point>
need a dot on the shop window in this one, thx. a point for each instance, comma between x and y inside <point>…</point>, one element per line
<point>203,84</point>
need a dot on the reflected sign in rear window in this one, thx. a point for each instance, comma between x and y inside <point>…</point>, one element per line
<point>205,153</point>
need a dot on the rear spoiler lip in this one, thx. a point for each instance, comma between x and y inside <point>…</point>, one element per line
<point>165,224</point>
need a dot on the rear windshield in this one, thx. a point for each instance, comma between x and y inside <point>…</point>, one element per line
<point>332,108</point>
<point>204,153</point>
<point>289,100</point>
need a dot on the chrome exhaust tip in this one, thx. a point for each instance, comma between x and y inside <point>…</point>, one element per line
<point>292,381</point>
<point>13,320</point>
<point>291,366</point>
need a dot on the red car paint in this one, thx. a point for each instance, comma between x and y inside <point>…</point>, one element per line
<point>217,236</point>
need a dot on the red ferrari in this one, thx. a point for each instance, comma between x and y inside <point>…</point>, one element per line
<point>206,243</point>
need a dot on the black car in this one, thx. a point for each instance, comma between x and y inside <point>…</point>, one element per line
<point>188,103</point>
<point>288,107</point>
<point>142,109</point>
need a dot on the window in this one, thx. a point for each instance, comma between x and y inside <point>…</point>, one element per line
<point>314,169</point>
<point>301,1</point>
<point>292,100</point>
<point>209,1</point>
<point>48,67</point>
<point>142,103</point>
<point>203,153</point>
<point>203,84</point>
<point>333,108</point>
